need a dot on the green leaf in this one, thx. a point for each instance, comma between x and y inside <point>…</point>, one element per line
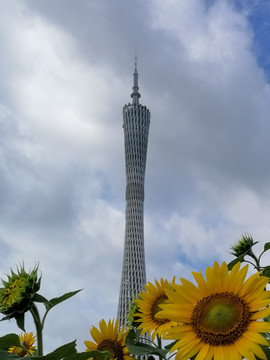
<point>41,299</point>
<point>9,340</point>
<point>132,336</point>
<point>266,271</point>
<point>169,346</point>
<point>266,246</point>
<point>58,300</point>
<point>60,353</point>
<point>20,321</point>
<point>136,347</point>
<point>145,349</point>
<point>4,355</point>
<point>95,354</point>
<point>235,261</point>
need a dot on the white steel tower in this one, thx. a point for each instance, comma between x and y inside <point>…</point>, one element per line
<point>136,126</point>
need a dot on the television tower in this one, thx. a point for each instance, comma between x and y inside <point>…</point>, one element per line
<point>136,127</point>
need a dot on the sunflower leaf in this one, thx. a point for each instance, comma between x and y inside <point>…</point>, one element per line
<point>266,246</point>
<point>145,349</point>
<point>95,354</point>
<point>4,355</point>
<point>138,348</point>
<point>58,300</point>
<point>169,346</point>
<point>266,271</point>
<point>41,299</point>
<point>133,336</point>
<point>20,321</point>
<point>235,261</point>
<point>8,341</point>
<point>61,353</point>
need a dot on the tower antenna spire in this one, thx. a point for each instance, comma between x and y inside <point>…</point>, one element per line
<point>135,94</point>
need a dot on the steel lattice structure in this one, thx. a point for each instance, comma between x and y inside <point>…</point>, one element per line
<point>136,127</point>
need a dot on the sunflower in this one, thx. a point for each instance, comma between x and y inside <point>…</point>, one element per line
<point>27,345</point>
<point>149,305</point>
<point>108,338</point>
<point>218,319</point>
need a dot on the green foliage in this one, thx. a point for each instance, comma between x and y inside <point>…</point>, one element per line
<point>19,295</point>
<point>8,341</point>
<point>137,346</point>
<point>235,261</point>
<point>266,271</point>
<point>244,248</point>
<point>4,355</point>
<point>64,352</point>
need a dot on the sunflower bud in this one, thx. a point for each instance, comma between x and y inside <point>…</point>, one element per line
<point>131,315</point>
<point>18,292</point>
<point>243,246</point>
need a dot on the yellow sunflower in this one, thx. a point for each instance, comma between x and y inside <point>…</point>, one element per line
<point>27,347</point>
<point>108,338</point>
<point>219,318</point>
<point>149,305</point>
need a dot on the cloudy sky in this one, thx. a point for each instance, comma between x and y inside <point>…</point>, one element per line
<point>66,71</point>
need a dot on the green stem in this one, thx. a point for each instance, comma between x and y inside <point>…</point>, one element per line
<point>36,318</point>
<point>159,345</point>
<point>173,354</point>
<point>257,261</point>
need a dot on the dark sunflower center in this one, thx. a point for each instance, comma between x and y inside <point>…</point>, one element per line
<point>113,346</point>
<point>220,319</point>
<point>156,308</point>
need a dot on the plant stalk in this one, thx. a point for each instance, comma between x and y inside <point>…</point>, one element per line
<point>36,318</point>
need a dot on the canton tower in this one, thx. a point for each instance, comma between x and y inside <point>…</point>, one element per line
<point>136,126</point>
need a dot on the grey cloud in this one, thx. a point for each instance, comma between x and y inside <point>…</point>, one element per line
<point>62,189</point>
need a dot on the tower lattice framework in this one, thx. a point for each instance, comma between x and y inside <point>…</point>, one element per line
<point>136,127</point>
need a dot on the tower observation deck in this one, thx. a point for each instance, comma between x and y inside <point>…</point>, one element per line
<point>136,127</point>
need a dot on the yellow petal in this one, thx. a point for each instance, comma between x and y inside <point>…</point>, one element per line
<point>90,345</point>
<point>255,337</point>
<point>233,353</point>
<point>258,351</point>
<point>224,276</point>
<point>190,289</point>
<point>203,352</point>
<point>242,346</point>
<point>190,350</point>
<point>202,284</point>
<point>248,285</point>
<point>236,282</point>
<point>218,353</point>
<point>259,326</point>
<point>260,314</point>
